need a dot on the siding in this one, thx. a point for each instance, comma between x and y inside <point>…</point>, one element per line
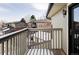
<point>60,21</point>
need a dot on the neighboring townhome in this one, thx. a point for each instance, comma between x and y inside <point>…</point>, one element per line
<point>14,26</point>
<point>41,23</point>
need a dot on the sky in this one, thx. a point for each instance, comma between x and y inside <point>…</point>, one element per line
<point>76,14</point>
<point>10,12</point>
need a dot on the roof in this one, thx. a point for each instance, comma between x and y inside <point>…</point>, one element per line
<point>49,8</point>
<point>13,22</point>
<point>54,8</point>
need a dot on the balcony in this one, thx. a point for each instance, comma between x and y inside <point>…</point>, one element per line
<point>32,41</point>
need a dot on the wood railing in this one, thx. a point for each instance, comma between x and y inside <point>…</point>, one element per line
<point>45,38</point>
<point>39,38</point>
<point>19,42</point>
<point>57,34</point>
<point>14,43</point>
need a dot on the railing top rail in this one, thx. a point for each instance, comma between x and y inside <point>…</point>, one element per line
<point>44,28</point>
<point>16,32</point>
<point>12,33</point>
<point>57,28</point>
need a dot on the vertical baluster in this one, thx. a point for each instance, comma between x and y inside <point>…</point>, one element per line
<point>34,42</point>
<point>51,44</point>
<point>31,40</point>
<point>28,39</point>
<point>57,39</point>
<point>21,44</point>
<point>50,39</point>
<point>25,41</point>
<point>10,46</point>
<point>22,36</point>
<point>35,39</point>
<point>2,48</point>
<point>53,39</point>
<point>13,43</point>
<point>7,47</point>
<point>61,37</point>
<point>40,42</point>
<point>47,41</point>
<point>37,42</point>
<point>43,41</point>
<point>18,43</point>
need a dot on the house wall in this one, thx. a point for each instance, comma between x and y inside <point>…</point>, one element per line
<point>44,25</point>
<point>60,21</point>
<point>41,25</point>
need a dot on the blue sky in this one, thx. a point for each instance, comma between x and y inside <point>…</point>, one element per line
<point>76,14</point>
<point>15,11</point>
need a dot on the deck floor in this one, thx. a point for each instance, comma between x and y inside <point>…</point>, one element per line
<point>39,52</point>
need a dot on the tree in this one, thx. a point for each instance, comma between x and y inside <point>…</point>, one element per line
<point>33,24</point>
<point>33,18</point>
<point>23,20</point>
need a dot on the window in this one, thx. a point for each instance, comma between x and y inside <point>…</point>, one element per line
<point>76,14</point>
